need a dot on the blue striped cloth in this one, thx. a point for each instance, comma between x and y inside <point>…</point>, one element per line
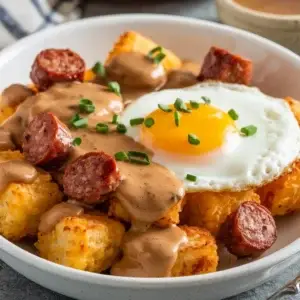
<point>23,17</point>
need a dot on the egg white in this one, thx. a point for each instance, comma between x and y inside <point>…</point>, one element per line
<point>256,160</point>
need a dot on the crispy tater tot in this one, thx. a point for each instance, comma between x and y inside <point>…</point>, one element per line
<point>133,41</point>
<point>87,242</point>
<point>210,209</point>
<point>295,107</point>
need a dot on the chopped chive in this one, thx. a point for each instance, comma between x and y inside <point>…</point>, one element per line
<point>191,177</point>
<point>76,141</point>
<point>78,122</point>
<point>176,117</point>
<point>180,106</point>
<point>164,107</point>
<point>233,114</point>
<point>154,50</point>
<point>86,106</point>
<point>115,119</point>
<point>140,158</point>
<point>149,122</point>
<point>193,139</point>
<point>121,156</point>
<point>158,58</point>
<point>249,130</point>
<point>114,87</point>
<point>194,104</point>
<point>121,128</point>
<point>99,69</point>
<point>102,128</point>
<point>137,121</point>
<point>206,99</point>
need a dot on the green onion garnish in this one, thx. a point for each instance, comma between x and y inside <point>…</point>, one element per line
<point>114,87</point>
<point>206,99</point>
<point>191,177</point>
<point>233,115</point>
<point>102,128</point>
<point>176,117</point>
<point>86,106</point>
<point>121,156</point>
<point>137,121</point>
<point>249,130</point>
<point>194,104</point>
<point>180,106</point>
<point>121,128</point>
<point>99,69</point>
<point>156,54</point>
<point>78,122</point>
<point>136,157</point>
<point>149,122</point>
<point>193,139</point>
<point>115,119</point>
<point>76,141</point>
<point>164,107</point>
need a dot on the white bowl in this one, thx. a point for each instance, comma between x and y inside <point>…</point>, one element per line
<point>276,73</point>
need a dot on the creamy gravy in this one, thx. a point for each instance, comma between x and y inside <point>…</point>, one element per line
<point>56,214</point>
<point>280,7</point>
<point>14,95</point>
<point>16,171</point>
<point>6,142</point>
<point>150,254</point>
<point>63,99</point>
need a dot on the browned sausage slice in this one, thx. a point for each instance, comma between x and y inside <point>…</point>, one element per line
<point>56,65</point>
<point>249,231</point>
<point>46,139</point>
<point>91,176</point>
<point>221,65</point>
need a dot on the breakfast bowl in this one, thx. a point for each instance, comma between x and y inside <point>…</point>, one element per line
<point>275,72</point>
<point>281,25</point>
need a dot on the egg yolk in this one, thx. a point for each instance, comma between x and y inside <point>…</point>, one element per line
<point>211,125</point>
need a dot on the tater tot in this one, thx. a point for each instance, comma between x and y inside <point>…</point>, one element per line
<point>22,204</point>
<point>117,211</point>
<point>295,107</point>
<point>282,196</point>
<point>210,209</point>
<point>198,256</point>
<point>87,242</point>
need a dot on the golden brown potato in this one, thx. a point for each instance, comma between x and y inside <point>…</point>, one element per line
<point>22,204</point>
<point>210,209</point>
<point>295,107</point>
<point>133,41</point>
<point>117,211</point>
<point>87,242</point>
<point>198,256</point>
<point>6,112</point>
<point>282,196</point>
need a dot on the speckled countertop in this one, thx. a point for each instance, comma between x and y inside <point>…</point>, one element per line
<point>16,287</point>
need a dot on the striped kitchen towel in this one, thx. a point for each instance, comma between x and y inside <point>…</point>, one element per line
<point>22,17</point>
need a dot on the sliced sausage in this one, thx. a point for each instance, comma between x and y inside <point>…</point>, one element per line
<point>91,176</point>
<point>56,65</point>
<point>46,140</point>
<point>221,65</point>
<point>249,231</point>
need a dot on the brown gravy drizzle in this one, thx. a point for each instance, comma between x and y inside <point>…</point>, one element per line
<point>146,192</point>
<point>56,214</point>
<point>5,141</point>
<point>14,95</point>
<point>16,171</point>
<point>150,254</point>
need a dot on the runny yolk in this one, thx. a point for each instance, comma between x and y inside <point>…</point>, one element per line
<point>210,124</point>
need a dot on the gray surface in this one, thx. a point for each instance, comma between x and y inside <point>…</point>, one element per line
<point>16,287</point>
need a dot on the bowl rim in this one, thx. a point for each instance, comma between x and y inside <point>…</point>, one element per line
<point>258,14</point>
<point>35,261</point>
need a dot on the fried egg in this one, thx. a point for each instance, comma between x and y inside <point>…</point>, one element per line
<point>241,139</point>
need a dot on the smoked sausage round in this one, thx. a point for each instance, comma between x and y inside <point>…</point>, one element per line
<point>91,176</point>
<point>46,139</point>
<point>249,231</point>
<point>56,65</point>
